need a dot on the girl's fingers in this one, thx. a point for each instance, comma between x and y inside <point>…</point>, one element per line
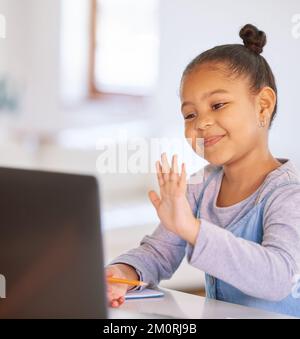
<point>154,198</point>
<point>159,174</point>
<point>165,173</point>
<point>174,164</point>
<point>182,181</point>
<point>174,169</point>
<point>109,274</point>
<point>117,302</point>
<point>114,303</point>
<point>165,167</point>
<point>121,300</point>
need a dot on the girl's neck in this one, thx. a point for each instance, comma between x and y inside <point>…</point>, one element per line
<point>249,170</point>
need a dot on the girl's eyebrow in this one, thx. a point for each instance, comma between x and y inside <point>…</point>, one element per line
<point>206,95</point>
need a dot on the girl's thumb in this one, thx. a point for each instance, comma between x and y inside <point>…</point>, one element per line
<point>154,199</point>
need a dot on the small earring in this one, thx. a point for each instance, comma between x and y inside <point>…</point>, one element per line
<point>262,123</point>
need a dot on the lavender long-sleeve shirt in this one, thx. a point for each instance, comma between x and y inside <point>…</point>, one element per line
<point>261,270</point>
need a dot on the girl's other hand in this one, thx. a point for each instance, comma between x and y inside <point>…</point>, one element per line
<point>116,292</point>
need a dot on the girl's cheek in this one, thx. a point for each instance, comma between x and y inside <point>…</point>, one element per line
<point>190,129</point>
<point>190,134</point>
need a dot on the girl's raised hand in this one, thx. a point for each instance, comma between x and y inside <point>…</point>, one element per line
<point>172,206</point>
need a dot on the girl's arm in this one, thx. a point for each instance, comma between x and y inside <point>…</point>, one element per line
<point>157,257</point>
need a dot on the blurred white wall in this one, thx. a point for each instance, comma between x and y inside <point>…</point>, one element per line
<point>30,56</point>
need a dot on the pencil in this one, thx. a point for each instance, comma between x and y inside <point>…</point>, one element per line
<point>125,281</point>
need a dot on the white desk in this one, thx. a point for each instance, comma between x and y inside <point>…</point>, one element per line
<point>181,305</point>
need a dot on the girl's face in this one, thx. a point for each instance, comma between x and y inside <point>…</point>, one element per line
<point>214,104</point>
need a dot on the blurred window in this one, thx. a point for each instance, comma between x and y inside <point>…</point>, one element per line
<point>125,45</point>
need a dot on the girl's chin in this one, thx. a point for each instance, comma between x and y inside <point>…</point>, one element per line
<point>213,158</point>
<point>216,160</point>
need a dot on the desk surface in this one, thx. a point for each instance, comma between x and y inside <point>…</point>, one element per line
<point>181,305</point>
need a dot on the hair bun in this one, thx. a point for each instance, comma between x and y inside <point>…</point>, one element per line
<point>253,38</point>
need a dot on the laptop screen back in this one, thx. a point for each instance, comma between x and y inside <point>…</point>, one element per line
<point>51,258</point>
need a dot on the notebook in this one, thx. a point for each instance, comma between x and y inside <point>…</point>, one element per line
<point>146,293</point>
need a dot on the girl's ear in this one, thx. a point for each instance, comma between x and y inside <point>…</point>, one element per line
<point>267,101</point>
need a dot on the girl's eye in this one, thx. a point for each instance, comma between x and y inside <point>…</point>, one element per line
<point>218,106</point>
<point>189,116</point>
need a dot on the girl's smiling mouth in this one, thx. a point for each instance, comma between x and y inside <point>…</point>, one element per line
<point>212,140</point>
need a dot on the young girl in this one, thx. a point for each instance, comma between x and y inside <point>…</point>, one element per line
<point>241,225</point>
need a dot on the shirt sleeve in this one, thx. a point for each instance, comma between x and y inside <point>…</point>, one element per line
<point>157,257</point>
<point>261,270</point>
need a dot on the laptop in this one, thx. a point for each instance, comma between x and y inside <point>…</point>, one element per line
<point>51,253</point>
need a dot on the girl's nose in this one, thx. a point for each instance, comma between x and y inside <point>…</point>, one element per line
<point>203,123</point>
